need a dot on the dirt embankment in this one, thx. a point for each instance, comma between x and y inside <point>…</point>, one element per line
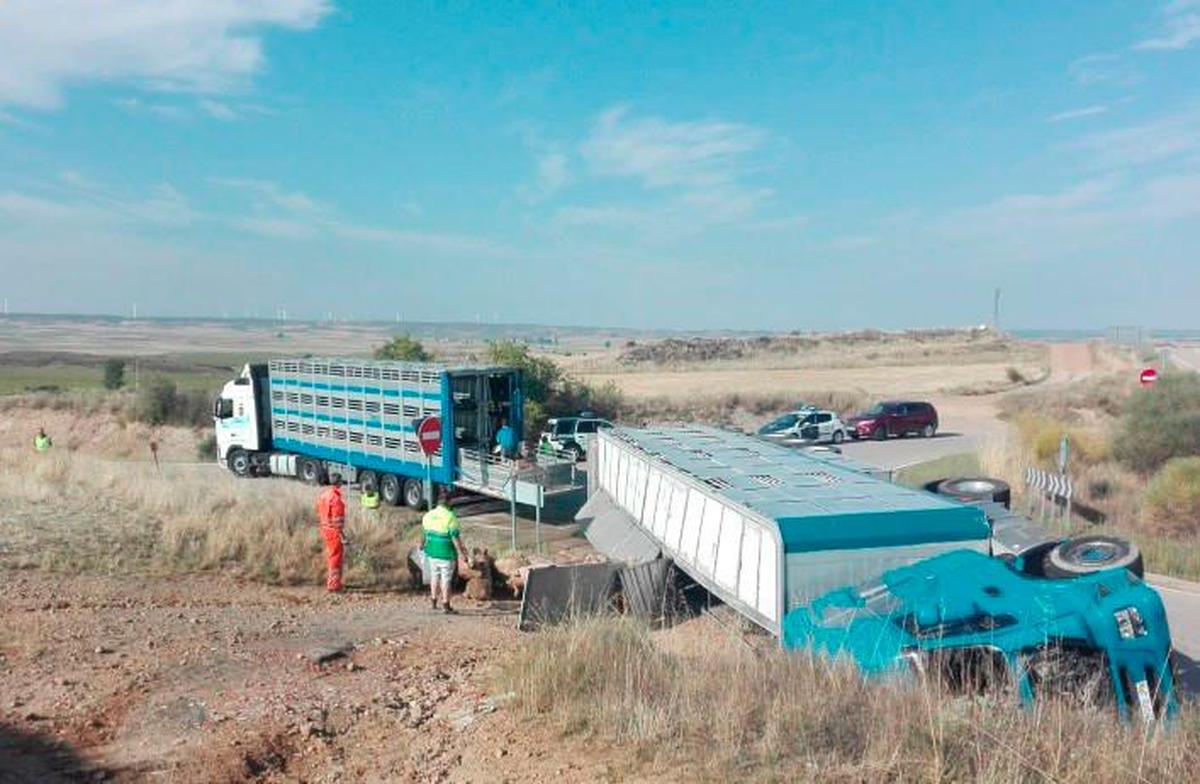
<point>94,427</point>
<point>200,679</point>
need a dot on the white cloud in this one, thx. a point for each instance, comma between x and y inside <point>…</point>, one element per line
<point>200,46</point>
<point>270,194</point>
<point>701,165</point>
<point>217,110</point>
<point>664,154</point>
<point>157,109</point>
<point>1180,27</point>
<point>90,205</point>
<point>1160,139</point>
<point>1103,69</point>
<point>1077,114</point>
<point>552,174</point>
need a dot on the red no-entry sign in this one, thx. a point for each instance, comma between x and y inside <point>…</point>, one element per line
<point>429,435</point>
<point>1148,377</point>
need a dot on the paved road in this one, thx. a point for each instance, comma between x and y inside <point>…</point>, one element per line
<point>1185,356</point>
<point>899,452</point>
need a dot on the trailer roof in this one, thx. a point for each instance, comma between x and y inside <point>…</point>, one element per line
<point>396,363</point>
<point>803,492</point>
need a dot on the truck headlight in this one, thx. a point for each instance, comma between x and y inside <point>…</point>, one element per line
<point>1130,623</point>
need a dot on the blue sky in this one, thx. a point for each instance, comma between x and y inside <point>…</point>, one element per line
<point>822,165</point>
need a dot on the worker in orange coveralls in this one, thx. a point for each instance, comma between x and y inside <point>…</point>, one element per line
<point>331,511</point>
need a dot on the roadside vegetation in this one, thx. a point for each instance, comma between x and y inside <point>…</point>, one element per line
<point>1135,459</point>
<point>722,715</point>
<point>72,513</point>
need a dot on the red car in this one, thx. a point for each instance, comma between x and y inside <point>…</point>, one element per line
<point>895,418</point>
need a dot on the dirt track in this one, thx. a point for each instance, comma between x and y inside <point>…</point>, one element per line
<point>205,678</point>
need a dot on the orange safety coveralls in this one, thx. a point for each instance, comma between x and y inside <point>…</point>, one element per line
<point>331,510</point>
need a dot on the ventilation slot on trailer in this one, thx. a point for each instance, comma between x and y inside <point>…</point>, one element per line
<point>766,480</point>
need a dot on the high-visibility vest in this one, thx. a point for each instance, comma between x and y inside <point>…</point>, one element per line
<point>369,499</point>
<point>440,526</point>
<point>41,443</point>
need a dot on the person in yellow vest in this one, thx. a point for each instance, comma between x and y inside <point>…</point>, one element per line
<point>368,500</point>
<point>441,539</point>
<point>42,442</point>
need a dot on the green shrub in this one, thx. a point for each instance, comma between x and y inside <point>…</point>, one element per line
<point>1160,423</point>
<point>404,348</point>
<point>1172,502</point>
<point>160,402</point>
<point>206,448</point>
<point>114,373</point>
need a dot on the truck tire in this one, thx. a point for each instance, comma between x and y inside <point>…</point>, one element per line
<point>838,436</point>
<point>977,488</point>
<point>1092,553</point>
<point>310,471</point>
<point>368,480</point>
<point>928,431</point>
<point>414,493</point>
<point>238,461</point>
<point>573,452</point>
<point>391,489</point>
<point>1033,560</point>
<point>881,433</point>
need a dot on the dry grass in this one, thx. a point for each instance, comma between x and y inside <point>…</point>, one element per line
<point>1172,502</point>
<point>73,513</point>
<point>734,715</point>
<point>738,410</point>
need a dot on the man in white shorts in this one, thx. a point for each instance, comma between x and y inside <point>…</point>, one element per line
<point>442,543</point>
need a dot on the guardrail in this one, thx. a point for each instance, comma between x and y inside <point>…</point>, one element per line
<point>1055,490</point>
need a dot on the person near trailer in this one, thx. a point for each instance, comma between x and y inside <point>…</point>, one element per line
<point>331,511</point>
<point>506,440</point>
<point>441,540</point>
<point>368,500</point>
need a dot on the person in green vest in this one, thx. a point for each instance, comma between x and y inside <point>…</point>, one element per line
<point>42,442</point>
<point>441,539</point>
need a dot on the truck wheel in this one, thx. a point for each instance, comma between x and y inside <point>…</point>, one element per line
<point>977,488</point>
<point>238,461</point>
<point>368,480</point>
<point>310,471</point>
<point>1092,553</point>
<point>573,452</point>
<point>838,436</point>
<point>414,493</point>
<point>390,489</point>
<point>928,431</point>
<point>881,433</point>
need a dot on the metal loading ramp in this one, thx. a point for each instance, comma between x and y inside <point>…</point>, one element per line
<point>764,527</point>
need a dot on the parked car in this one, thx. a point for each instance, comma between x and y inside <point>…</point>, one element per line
<point>895,418</point>
<point>572,435</point>
<point>807,424</point>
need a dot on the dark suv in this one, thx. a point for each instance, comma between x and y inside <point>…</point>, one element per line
<point>895,418</point>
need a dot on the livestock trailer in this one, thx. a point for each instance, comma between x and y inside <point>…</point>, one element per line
<point>310,417</point>
<point>763,527</point>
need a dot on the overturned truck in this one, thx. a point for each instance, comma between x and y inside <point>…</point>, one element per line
<point>783,537</point>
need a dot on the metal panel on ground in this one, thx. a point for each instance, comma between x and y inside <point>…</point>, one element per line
<point>554,594</point>
<point>614,532</point>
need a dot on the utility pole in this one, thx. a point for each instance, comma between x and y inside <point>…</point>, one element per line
<point>996,311</point>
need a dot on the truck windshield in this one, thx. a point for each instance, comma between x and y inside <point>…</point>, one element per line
<point>564,427</point>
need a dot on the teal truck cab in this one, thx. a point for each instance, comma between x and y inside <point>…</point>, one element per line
<point>975,622</point>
